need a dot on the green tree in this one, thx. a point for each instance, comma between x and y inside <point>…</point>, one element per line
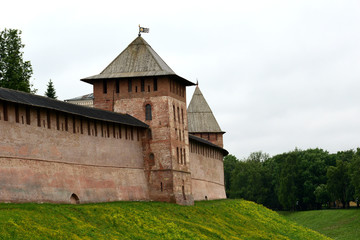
<point>321,194</point>
<point>339,182</point>
<point>230,161</point>
<point>15,73</point>
<point>50,91</point>
<point>355,175</point>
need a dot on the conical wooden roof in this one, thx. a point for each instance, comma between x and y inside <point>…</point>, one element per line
<point>200,117</point>
<point>137,60</point>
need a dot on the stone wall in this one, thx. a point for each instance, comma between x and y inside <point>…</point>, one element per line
<point>207,172</point>
<point>48,156</point>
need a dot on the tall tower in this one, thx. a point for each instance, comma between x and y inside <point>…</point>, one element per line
<point>138,82</point>
<point>202,122</point>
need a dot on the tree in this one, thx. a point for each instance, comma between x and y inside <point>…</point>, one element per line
<point>15,73</point>
<point>50,91</point>
<point>230,161</point>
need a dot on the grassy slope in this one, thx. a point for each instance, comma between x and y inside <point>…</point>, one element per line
<point>335,223</point>
<point>225,219</point>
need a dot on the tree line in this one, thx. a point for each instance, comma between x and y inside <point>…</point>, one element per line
<point>296,180</point>
<point>15,73</point>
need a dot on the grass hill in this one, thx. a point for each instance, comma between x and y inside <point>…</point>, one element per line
<point>223,219</point>
<point>335,223</point>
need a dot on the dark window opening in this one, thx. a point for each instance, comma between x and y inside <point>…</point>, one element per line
<point>148,88</point>
<point>182,116</point>
<point>88,127</point>
<point>48,119</point>
<point>95,128</point>
<point>74,125</point>
<point>119,131</point>
<point>104,86</point>
<point>5,111</point>
<point>66,123</point>
<point>102,129</point>
<point>126,133</point>
<point>38,117</point>
<point>148,114</point>
<point>161,186</point>
<point>27,112</point>
<point>113,127</point>
<point>174,113</point>
<point>117,87</point>
<point>107,130</point>
<point>155,84</point>
<point>129,85</point>
<point>178,112</point>
<point>81,126</point>
<point>142,85</point>
<point>16,113</point>
<point>135,88</point>
<point>151,159</point>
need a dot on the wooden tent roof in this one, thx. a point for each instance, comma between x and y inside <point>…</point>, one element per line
<point>200,117</point>
<point>137,60</point>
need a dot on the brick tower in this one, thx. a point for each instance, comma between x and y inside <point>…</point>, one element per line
<point>138,82</point>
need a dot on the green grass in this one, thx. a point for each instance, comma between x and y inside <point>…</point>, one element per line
<point>334,223</point>
<point>223,219</point>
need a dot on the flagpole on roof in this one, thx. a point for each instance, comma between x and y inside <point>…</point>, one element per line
<point>142,29</point>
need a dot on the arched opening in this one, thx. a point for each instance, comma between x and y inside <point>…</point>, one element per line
<point>151,159</point>
<point>148,114</point>
<point>74,199</point>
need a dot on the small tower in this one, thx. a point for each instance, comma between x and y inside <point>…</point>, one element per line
<point>201,120</point>
<point>138,82</point>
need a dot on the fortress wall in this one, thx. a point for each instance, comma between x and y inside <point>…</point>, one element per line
<point>61,154</point>
<point>207,172</point>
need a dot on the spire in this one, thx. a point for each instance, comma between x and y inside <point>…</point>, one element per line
<point>200,117</point>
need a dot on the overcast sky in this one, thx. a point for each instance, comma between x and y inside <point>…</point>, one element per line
<point>277,74</point>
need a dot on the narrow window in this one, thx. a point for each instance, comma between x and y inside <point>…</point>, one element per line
<point>81,126</point>
<point>27,112</point>
<point>183,192</point>
<point>119,131</point>
<point>38,117</point>
<point>142,85</point>
<point>95,128</point>
<point>178,112</point>
<point>16,113</point>
<point>74,125</point>
<point>66,123</point>
<point>48,119</point>
<point>104,86</point>
<point>174,113</point>
<point>177,155</point>
<point>126,134</point>
<point>148,114</point>
<point>57,121</point>
<point>135,88</point>
<point>161,186</point>
<point>181,156</point>
<point>155,84</point>
<point>129,85</point>
<point>132,133</point>
<point>5,111</point>
<point>176,132</point>
<point>102,129</point>
<point>113,127</point>
<point>182,116</point>
<point>107,130</point>
<point>148,88</point>
<point>117,87</point>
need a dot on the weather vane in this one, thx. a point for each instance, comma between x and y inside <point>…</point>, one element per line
<point>142,29</point>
